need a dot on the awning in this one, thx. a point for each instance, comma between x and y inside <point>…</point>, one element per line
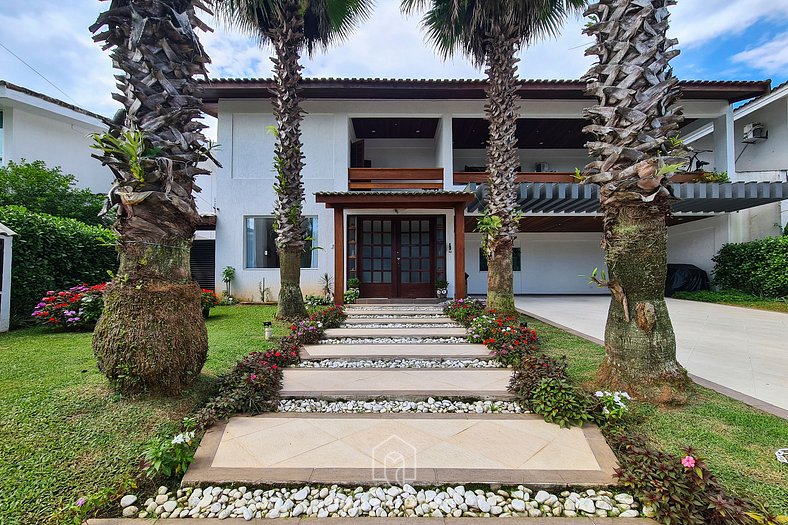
<point>421,199</point>
<point>693,197</point>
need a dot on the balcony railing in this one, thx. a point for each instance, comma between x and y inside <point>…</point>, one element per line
<point>395,178</point>
<point>466,177</point>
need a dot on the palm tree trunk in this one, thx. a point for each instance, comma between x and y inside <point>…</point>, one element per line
<point>151,335</point>
<point>640,347</point>
<point>288,40</point>
<point>502,160</point>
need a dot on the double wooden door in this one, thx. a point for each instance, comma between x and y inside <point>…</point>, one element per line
<point>397,256</point>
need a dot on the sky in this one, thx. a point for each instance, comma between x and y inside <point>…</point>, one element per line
<point>55,55</point>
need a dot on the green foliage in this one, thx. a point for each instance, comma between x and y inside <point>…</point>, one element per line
<point>351,295</point>
<point>53,253</point>
<point>669,169</point>
<point>611,407</point>
<point>316,300</point>
<point>464,311</point>
<point>130,147</point>
<point>736,298</point>
<point>532,370</point>
<point>169,456</point>
<point>680,490</point>
<point>353,283</point>
<point>228,274</point>
<point>559,402</point>
<point>89,506</point>
<point>489,226</point>
<point>48,190</point>
<point>755,267</point>
<point>715,176</point>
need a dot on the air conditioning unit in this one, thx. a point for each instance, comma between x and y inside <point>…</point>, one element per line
<point>755,132</point>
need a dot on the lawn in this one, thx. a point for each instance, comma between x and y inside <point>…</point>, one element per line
<point>734,298</point>
<point>737,441</point>
<point>65,434</point>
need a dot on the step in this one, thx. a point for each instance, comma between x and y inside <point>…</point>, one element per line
<point>420,449</point>
<point>391,521</point>
<point>394,320</point>
<point>396,383</point>
<point>394,313</point>
<point>337,333</point>
<point>389,351</point>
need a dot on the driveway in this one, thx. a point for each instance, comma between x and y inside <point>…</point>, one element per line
<point>740,349</point>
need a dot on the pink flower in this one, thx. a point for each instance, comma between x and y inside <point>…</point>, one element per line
<point>252,376</point>
<point>688,462</point>
<point>81,501</point>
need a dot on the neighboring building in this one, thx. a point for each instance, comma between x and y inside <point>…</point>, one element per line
<point>393,173</point>
<point>760,136</point>
<point>37,127</point>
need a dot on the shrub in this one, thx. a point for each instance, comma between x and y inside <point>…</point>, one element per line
<point>755,267</point>
<point>78,307</point>
<point>534,368</point>
<point>680,490</point>
<point>48,190</point>
<point>316,300</point>
<point>611,407</point>
<point>464,310</point>
<point>53,253</point>
<point>506,338</point>
<point>331,317</point>
<point>351,295</point>
<point>559,402</point>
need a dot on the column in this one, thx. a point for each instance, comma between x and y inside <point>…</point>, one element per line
<point>339,255</point>
<point>724,144</point>
<point>459,251</point>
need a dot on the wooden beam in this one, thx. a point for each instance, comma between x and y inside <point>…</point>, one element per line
<point>393,200</point>
<point>339,255</point>
<point>369,174</point>
<point>459,252</point>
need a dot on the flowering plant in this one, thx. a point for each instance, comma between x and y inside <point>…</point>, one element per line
<point>208,299</point>
<point>613,404</point>
<point>506,338</point>
<point>171,456</point>
<point>464,310</point>
<point>78,307</point>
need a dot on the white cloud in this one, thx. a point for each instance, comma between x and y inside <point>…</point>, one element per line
<point>770,57</point>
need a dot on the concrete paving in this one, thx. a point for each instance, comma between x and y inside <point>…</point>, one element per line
<point>742,350</point>
<point>425,351</point>
<point>396,383</point>
<point>353,322</point>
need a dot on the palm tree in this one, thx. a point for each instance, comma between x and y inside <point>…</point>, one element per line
<point>291,26</point>
<point>151,336</point>
<point>634,123</point>
<point>490,34</point>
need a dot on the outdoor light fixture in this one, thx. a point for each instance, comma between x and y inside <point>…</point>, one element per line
<point>269,330</point>
<point>449,247</point>
<point>524,324</point>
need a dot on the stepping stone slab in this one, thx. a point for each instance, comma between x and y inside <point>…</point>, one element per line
<point>419,448</point>
<point>392,320</point>
<point>338,333</point>
<point>389,351</point>
<point>396,383</point>
<point>402,313</point>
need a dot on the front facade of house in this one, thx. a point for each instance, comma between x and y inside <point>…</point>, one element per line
<point>393,178</point>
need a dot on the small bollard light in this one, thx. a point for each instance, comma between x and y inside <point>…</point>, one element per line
<point>269,330</point>
<point>524,324</point>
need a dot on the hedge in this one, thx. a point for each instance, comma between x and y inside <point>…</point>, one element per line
<point>757,267</point>
<point>53,253</point>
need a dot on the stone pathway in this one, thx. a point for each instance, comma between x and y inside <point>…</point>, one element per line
<point>421,443</point>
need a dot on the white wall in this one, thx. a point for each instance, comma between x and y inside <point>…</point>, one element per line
<point>401,153</point>
<point>558,159</point>
<point>771,154</point>
<point>58,142</point>
<point>552,263</point>
<point>697,242</point>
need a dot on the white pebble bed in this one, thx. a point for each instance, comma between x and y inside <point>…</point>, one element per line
<point>430,308</point>
<point>406,501</point>
<point>391,340</point>
<point>401,363</point>
<point>430,406</point>
<point>352,315</point>
<point>401,325</point>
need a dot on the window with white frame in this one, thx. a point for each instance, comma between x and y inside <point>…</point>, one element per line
<point>260,241</point>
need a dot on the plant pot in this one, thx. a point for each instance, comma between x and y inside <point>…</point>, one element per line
<point>442,294</point>
<point>206,312</point>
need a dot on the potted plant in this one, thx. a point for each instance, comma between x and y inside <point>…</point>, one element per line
<point>209,300</point>
<point>353,290</point>
<point>442,289</point>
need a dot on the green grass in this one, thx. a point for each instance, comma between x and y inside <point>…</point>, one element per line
<point>734,298</point>
<point>65,434</point>
<point>737,441</point>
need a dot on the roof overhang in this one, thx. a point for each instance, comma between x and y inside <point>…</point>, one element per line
<point>458,89</point>
<point>395,199</point>
<point>694,197</point>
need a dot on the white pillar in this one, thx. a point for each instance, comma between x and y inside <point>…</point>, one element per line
<point>724,144</point>
<point>7,240</point>
<point>445,151</point>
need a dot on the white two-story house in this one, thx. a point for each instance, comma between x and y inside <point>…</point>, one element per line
<point>394,182</point>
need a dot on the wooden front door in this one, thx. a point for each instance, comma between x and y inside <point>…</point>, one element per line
<point>397,257</point>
